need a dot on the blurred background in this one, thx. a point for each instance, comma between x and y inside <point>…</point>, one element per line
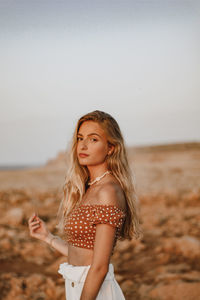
<point>138,61</point>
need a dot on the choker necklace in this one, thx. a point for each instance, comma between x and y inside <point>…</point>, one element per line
<point>98,178</point>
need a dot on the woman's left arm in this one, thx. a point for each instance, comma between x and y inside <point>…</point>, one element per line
<point>104,239</point>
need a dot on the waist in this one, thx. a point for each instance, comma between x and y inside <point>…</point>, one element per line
<point>79,273</point>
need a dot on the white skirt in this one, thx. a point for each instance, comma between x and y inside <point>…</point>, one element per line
<point>74,281</point>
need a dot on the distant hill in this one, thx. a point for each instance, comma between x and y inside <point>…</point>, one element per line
<point>61,158</point>
<point>62,155</point>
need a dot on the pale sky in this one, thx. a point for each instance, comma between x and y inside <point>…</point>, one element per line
<point>137,60</point>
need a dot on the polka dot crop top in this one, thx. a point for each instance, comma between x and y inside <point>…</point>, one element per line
<point>80,225</point>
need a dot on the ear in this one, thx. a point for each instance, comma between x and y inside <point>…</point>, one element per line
<point>111,148</point>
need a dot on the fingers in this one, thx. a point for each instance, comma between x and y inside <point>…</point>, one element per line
<point>33,227</point>
<point>35,222</point>
<point>32,217</point>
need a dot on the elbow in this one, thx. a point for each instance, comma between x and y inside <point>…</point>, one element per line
<point>100,270</point>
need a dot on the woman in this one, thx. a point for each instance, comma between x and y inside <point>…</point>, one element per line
<point>99,206</point>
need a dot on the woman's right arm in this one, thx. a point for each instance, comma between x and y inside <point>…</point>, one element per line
<point>57,243</point>
<point>39,231</point>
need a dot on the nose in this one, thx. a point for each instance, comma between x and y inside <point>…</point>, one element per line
<point>84,144</point>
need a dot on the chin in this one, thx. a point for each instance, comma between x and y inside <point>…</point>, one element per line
<point>82,162</point>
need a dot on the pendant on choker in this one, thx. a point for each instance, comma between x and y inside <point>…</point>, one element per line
<point>98,178</point>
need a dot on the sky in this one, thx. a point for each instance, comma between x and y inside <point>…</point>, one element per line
<point>136,60</point>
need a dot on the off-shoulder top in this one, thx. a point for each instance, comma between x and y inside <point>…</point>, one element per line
<point>80,225</point>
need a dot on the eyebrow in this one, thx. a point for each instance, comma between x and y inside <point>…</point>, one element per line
<point>93,133</point>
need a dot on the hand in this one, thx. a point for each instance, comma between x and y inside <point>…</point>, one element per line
<point>38,228</point>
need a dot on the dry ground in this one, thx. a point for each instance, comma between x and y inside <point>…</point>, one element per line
<point>164,265</point>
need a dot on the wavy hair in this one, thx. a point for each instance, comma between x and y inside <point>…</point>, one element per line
<point>77,175</point>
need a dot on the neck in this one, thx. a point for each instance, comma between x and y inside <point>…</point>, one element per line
<point>96,171</point>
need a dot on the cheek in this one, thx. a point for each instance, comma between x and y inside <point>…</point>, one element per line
<point>98,149</point>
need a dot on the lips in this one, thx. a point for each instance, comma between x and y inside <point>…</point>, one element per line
<point>83,155</point>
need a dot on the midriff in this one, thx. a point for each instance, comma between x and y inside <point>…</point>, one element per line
<point>79,256</point>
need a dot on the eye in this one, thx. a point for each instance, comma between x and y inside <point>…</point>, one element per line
<point>90,139</point>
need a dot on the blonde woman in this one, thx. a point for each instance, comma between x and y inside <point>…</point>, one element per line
<point>99,206</point>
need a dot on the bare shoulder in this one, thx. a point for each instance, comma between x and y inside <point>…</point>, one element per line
<point>111,193</point>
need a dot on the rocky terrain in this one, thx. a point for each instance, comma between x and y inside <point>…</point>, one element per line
<point>163,265</point>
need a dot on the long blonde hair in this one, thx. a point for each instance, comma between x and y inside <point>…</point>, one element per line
<point>77,175</point>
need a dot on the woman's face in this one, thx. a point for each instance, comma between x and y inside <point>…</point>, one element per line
<point>91,140</point>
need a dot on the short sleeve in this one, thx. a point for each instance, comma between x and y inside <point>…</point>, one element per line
<point>107,214</point>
